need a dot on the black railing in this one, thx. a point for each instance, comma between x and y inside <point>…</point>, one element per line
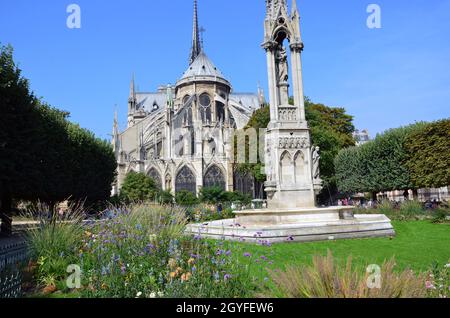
<point>13,254</point>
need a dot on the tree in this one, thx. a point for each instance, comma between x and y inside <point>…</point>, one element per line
<point>43,155</point>
<point>379,165</point>
<point>138,187</point>
<point>331,129</point>
<point>428,158</point>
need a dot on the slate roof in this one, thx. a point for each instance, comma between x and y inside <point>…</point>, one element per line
<point>202,66</point>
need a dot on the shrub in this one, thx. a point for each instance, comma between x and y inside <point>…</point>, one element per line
<point>326,279</point>
<point>138,187</point>
<point>212,195</point>
<point>440,215</point>
<point>411,209</point>
<point>186,198</point>
<point>385,207</point>
<point>165,197</point>
<point>55,242</point>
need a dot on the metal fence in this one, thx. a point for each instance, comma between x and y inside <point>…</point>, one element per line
<point>13,254</point>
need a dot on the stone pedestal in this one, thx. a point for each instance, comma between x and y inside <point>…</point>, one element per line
<point>301,225</point>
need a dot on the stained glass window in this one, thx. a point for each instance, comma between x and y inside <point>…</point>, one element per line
<point>156,177</point>
<point>186,181</point>
<point>214,178</point>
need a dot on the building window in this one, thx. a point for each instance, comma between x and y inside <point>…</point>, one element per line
<point>220,111</point>
<point>214,178</point>
<point>205,107</point>
<point>185,99</point>
<point>156,177</point>
<point>186,181</point>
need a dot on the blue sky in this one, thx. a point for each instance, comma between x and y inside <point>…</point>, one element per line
<point>385,77</point>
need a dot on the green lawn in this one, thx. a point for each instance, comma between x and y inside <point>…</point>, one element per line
<point>417,245</point>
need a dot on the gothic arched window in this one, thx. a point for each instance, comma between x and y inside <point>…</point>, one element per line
<point>244,183</point>
<point>185,180</point>
<point>214,178</point>
<point>220,111</point>
<point>156,177</point>
<point>185,99</point>
<point>205,107</point>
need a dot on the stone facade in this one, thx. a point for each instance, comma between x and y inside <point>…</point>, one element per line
<point>180,135</point>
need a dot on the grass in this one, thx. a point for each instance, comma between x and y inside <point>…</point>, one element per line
<point>417,246</point>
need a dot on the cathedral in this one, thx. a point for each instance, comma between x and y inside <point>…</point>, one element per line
<point>180,134</point>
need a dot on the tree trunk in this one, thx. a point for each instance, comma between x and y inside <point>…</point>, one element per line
<point>406,195</point>
<point>416,195</point>
<point>374,196</point>
<point>5,215</point>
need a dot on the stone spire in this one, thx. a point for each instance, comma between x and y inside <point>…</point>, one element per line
<point>131,103</point>
<point>132,97</point>
<point>294,9</point>
<point>196,43</point>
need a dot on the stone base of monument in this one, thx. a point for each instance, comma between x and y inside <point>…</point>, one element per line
<point>300,225</point>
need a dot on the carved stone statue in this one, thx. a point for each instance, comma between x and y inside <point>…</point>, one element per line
<point>282,64</point>
<point>269,163</point>
<point>316,162</point>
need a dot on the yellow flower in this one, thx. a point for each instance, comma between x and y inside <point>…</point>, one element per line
<point>104,286</point>
<point>191,261</point>
<point>185,277</point>
<point>88,234</point>
<point>173,275</point>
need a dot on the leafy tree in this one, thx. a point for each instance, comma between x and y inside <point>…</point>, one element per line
<point>379,165</point>
<point>138,187</point>
<point>43,155</point>
<point>428,158</point>
<point>331,129</point>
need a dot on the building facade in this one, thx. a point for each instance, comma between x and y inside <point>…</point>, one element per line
<point>180,134</point>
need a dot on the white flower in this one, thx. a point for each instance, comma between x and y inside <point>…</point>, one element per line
<point>152,295</point>
<point>447,266</point>
<point>138,295</point>
<point>160,294</point>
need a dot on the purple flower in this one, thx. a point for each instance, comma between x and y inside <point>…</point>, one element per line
<point>247,255</point>
<point>227,277</point>
<point>123,269</point>
<point>228,253</point>
<point>219,252</point>
<point>264,258</point>
<point>290,238</point>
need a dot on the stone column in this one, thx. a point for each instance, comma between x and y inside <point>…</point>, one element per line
<point>273,98</point>
<point>296,49</point>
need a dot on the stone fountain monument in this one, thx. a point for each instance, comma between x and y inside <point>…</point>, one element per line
<point>291,161</point>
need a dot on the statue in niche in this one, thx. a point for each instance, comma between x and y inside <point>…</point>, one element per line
<point>268,163</point>
<point>316,162</point>
<point>282,64</point>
